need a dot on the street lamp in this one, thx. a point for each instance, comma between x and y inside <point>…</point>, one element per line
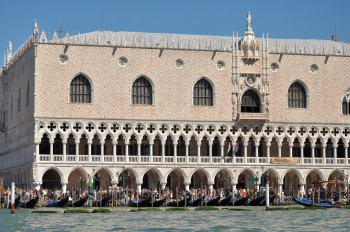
<point>347,188</point>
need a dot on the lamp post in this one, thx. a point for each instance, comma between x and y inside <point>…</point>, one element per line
<point>80,184</point>
<point>347,188</point>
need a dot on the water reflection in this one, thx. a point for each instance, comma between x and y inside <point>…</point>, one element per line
<point>255,220</point>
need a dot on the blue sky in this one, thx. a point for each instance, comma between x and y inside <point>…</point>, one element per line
<point>308,19</point>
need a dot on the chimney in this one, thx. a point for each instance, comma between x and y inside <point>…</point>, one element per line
<point>334,38</point>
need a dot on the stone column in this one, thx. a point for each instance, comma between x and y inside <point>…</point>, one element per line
<point>64,151</point>
<point>280,189</point>
<point>51,150</point>
<point>139,187</point>
<point>151,152</point>
<point>187,155</point>
<point>279,149</point>
<point>163,152</point>
<point>313,153</point>
<point>139,151</point>
<point>210,186</point>
<point>187,186</point>
<point>163,184</point>
<point>234,186</point>
<point>198,153</point>
<point>175,153</point>
<point>233,148</point>
<point>245,153</point>
<point>291,150</point>
<point>89,151</point>
<point>302,188</point>
<point>335,155</point>
<point>324,153</point>
<point>302,153</point>
<point>256,153</point>
<point>126,151</point>
<point>37,152</point>
<point>268,146</point>
<point>102,152</point>
<point>210,152</point>
<point>222,155</point>
<point>346,147</point>
<point>77,150</point>
<point>64,187</point>
<point>115,151</point>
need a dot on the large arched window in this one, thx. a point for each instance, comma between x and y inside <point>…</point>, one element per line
<point>80,90</point>
<point>296,96</point>
<point>142,92</point>
<point>250,102</point>
<point>203,93</point>
<point>345,106</point>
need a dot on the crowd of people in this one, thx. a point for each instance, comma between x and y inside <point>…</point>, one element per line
<point>126,194</point>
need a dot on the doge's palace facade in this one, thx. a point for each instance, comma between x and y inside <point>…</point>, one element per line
<point>155,110</point>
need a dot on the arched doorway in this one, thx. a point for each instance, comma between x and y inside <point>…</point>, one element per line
<point>51,180</point>
<point>199,180</point>
<point>291,183</point>
<point>151,180</point>
<point>102,180</point>
<point>77,180</point>
<point>222,180</point>
<point>175,179</point>
<point>127,179</point>
<point>243,182</point>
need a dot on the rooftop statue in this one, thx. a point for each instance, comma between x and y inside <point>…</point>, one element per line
<point>249,22</point>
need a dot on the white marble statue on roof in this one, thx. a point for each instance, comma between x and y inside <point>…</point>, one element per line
<point>249,22</point>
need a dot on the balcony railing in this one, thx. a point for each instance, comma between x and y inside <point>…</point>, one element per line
<point>194,159</point>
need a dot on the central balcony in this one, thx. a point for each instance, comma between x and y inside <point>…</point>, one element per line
<point>215,160</point>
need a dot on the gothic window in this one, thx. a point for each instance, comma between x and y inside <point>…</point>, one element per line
<point>142,92</point>
<point>203,93</point>
<point>296,96</point>
<point>345,107</point>
<point>250,102</point>
<point>44,147</point>
<point>80,90</point>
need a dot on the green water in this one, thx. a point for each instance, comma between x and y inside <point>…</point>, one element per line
<point>223,220</point>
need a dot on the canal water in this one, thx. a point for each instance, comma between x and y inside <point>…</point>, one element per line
<point>223,220</point>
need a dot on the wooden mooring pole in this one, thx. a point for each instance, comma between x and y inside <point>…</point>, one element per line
<point>12,198</point>
<point>267,196</point>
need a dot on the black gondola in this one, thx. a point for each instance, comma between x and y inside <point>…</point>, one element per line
<point>225,201</point>
<point>181,203</point>
<point>240,201</point>
<point>61,203</point>
<point>141,203</point>
<point>79,203</point>
<point>195,202</point>
<point>213,202</point>
<point>257,201</point>
<point>156,203</point>
<point>104,202</point>
<point>30,204</point>
<point>17,202</point>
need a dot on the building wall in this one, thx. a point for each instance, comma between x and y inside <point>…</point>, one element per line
<point>324,87</point>
<point>112,84</point>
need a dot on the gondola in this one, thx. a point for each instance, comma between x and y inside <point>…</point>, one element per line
<point>181,203</point>
<point>17,202</point>
<point>257,201</point>
<point>104,202</point>
<point>195,202</point>
<point>141,203</point>
<point>61,203</point>
<point>240,202</point>
<point>79,203</point>
<point>30,204</point>
<point>309,204</point>
<point>225,201</point>
<point>156,203</point>
<point>212,202</point>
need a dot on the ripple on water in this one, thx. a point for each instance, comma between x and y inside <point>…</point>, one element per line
<point>255,220</point>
